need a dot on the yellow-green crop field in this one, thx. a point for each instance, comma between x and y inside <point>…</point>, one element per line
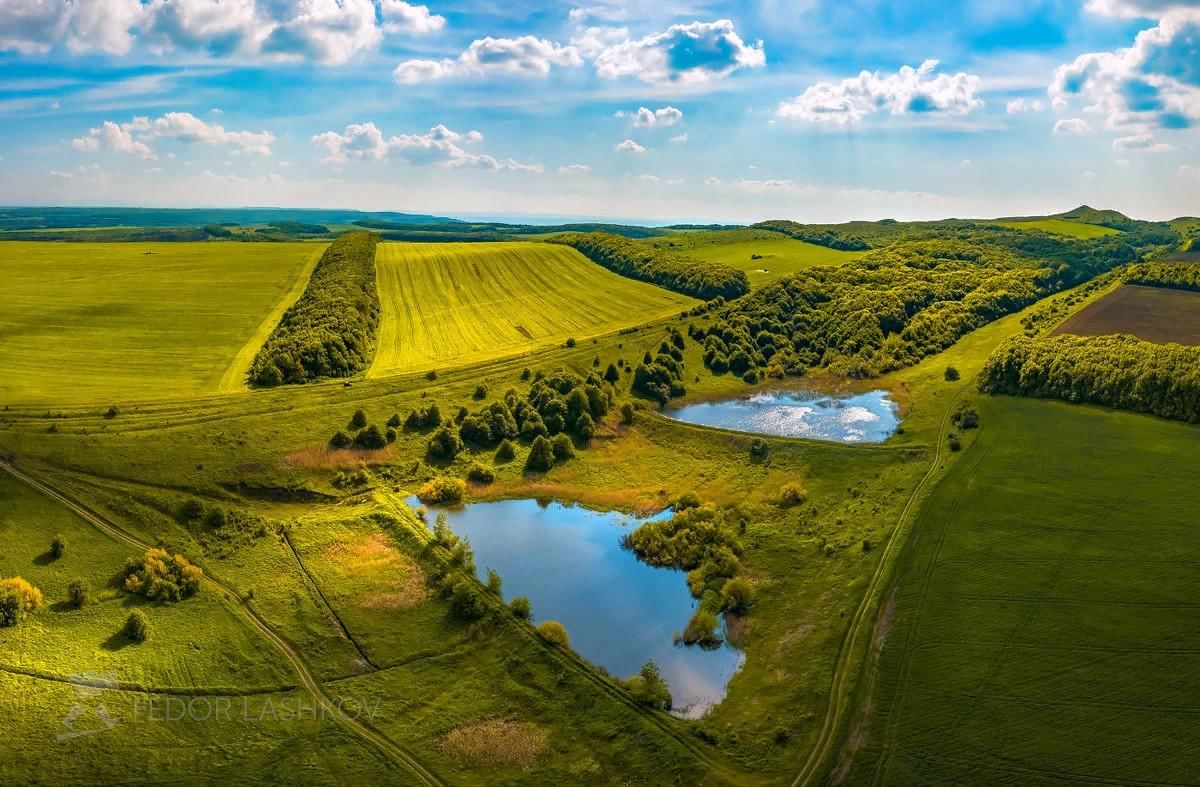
<point>452,303</point>
<point>1076,229</point>
<point>92,322</point>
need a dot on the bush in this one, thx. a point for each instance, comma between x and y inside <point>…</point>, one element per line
<point>526,373</point>
<point>358,420</point>
<point>611,374</point>
<point>17,598</point>
<point>562,448</point>
<point>627,413</point>
<point>649,688</point>
<point>466,600</point>
<point>77,594</point>
<point>137,628</point>
<point>541,455</point>
<point>478,474</point>
<point>370,438</point>
<point>571,341</point>
<point>112,412</point>
<point>445,443</point>
<point>585,427</point>
<point>431,375</point>
<point>390,435</point>
<point>481,392</point>
<point>506,452</point>
<point>685,501</point>
<point>162,577</point>
<point>341,440</point>
<point>521,607</point>
<point>494,583</point>
<point>759,448</point>
<point>951,374</point>
<point>442,489</point>
<point>701,629</point>
<point>58,545</point>
<point>955,443</point>
<point>394,422</point>
<point>738,594</point>
<point>555,633</point>
<point>791,494</point>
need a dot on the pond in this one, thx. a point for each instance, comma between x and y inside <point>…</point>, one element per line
<point>618,611</point>
<point>869,417</point>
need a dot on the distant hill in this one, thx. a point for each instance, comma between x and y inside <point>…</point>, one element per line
<point>1090,215</point>
<point>32,218</point>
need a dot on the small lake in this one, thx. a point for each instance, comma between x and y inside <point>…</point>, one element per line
<point>618,611</point>
<point>869,417</point>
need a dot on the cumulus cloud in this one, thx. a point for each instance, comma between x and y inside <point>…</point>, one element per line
<point>1072,126</point>
<point>683,54</point>
<point>591,41</point>
<point>629,146</point>
<point>574,169</point>
<point>1020,105</point>
<point>131,137</point>
<point>186,127</point>
<point>909,91</point>
<point>110,137</point>
<point>525,56</point>
<point>1144,143</point>
<point>440,145</point>
<point>325,31</point>
<point>1153,84</point>
<point>648,118</point>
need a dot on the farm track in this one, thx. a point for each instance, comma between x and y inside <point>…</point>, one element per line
<point>864,621</point>
<point>391,749</point>
<point>139,688</point>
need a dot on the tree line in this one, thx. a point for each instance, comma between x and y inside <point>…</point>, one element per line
<point>1176,276</point>
<point>1119,371</point>
<point>330,330</point>
<point>699,279</point>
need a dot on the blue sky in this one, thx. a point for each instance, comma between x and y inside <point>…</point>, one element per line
<point>697,111</point>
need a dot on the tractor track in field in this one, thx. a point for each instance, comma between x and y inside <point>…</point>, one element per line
<point>392,750</point>
<point>863,621</point>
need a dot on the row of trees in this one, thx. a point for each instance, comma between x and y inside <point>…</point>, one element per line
<point>330,330</point>
<point>1174,275</point>
<point>817,235</point>
<point>897,305</point>
<point>699,279</point>
<point>1123,372</point>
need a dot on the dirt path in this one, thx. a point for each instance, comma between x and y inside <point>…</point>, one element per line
<point>392,750</point>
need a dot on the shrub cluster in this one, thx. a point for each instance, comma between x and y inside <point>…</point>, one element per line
<point>1178,275</point>
<point>161,577</point>
<point>17,598</point>
<point>442,489</point>
<point>330,330</point>
<point>1115,371</point>
<point>704,280</point>
<point>649,688</point>
<point>816,235</point>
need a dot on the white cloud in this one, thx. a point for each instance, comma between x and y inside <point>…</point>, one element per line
<point>1087,174</point>
<point>440,145</point>
<point>683,54</point>
<point>1144,9</point>
<point>650,178</point>
<point>1188,171</point>
<point>1153,84</point>
<point>629,146</point>
<point>711,181</point>
<point>967,163</point>
<point>679,139</point>
<point>574,169</point>
<point>131,137</point>
<point>325,31</point>
<point>112,138</point>
<point>772,185</point>
<point>1072,126</point>
<point>524,56</point>
<point>909,91</point>
<point>648,118</point>
<point>1144,143</point>
<point>591,41</point>
<point>1020,105</point>
<point>186,127</point>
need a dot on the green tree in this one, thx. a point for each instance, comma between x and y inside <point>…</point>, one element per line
<point>562,448</point>
<point>494,583</point>
<point>358,420</point>
<point>77,593</point>
<point>541,455</point>
<point>649,688</point>
<point>506,452</point>
<point>445,443</point>
<point>521,607</point>
<point>137,628</point>
<point>58,546</point>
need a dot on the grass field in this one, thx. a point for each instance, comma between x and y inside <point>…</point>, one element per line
<point>1076,229</point>
<point>107,322</point>
<point>778,255</point>
<point>1154,314</point>
<point>452,303</point>
<point>1043,629</point>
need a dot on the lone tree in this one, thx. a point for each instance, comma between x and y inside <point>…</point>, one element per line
<point>17,598</point>
<point>58,546</point>
<point>77,593</point>
<point>137,628</point>
<point>951,374</point>
<point>555,633</point>
<point>541,455</point>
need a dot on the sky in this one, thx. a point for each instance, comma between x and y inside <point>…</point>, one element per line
<point>676,110</point>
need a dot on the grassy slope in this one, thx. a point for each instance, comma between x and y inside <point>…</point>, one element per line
<point>1075,229</point>
<point>1042,629</point>
<point>780,255</point>
<point>453,303</point>
<point>96,322</point>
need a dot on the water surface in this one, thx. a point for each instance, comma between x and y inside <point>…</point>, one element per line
<point>618,611</point>
<point>862,418</point>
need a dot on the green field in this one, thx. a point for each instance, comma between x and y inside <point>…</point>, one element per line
<point>778,255</point>
<point>1076,229</point>
<point>106,322</point>
<point>1043,628</point>
<point>452,303</point>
